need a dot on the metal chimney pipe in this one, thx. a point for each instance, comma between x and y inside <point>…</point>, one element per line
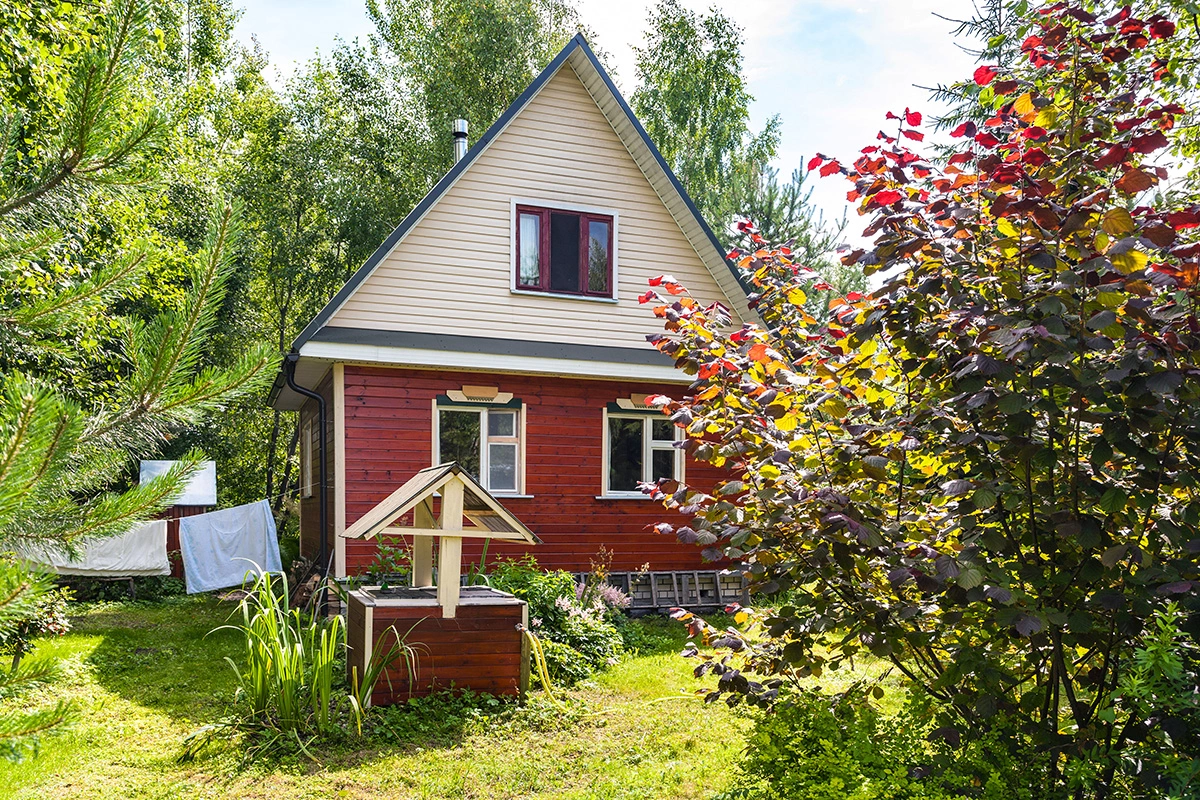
<point>460,139</point>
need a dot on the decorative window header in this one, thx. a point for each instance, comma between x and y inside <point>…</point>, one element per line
<point>479,394</point>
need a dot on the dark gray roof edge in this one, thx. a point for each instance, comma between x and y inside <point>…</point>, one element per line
<point>434,194</point>
<point>662,162</point>
<point>487,345</point>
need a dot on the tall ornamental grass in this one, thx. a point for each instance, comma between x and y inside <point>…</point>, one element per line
<point>291,680</point>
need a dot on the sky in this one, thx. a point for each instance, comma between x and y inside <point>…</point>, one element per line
<point>829,69</point>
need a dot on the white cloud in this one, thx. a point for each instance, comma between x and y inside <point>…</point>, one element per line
<point>830,70</point>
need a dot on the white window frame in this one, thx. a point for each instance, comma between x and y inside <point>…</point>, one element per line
<point>649,445</point>
<point>307,468</point>
<point>482,410</point>
<point>558,205</point>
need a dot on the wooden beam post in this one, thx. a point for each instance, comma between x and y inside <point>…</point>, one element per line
<point>449,572</point>
<point>450,549</point>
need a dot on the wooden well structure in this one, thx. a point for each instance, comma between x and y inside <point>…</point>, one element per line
<point>464,637</point>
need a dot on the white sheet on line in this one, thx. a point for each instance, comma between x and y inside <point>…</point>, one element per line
<point>139,552</point>
<point>220,547</point>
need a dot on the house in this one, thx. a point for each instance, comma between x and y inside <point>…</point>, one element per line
<point>499,326</point>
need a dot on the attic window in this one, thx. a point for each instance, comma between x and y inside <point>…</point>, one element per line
<point>564,252</point>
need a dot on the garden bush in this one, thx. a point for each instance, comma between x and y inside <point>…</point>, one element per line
<point>48,618</point>
<point>985,470</point>
<point>820,746</point>
<point>150,588</point>
<point>578,623</point>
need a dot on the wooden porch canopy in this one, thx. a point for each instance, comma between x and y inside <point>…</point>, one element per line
<point>462,496</point>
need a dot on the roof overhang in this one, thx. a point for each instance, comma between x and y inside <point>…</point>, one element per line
<point>488,518</point>
<point>470,353</point>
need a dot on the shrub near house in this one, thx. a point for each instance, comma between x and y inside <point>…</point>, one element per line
<point>985,471</point>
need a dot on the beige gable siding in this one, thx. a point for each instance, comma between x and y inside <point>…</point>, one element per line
<point>452,272</point>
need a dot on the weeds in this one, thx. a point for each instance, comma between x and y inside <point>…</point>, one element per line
<point>291,682</point>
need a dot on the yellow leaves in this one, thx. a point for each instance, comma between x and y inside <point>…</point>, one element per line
<point>769,472</point>
<point>1129,261</point>
<point>1112,299</point>
<point>787,422</point>
<point>796,296</point>
<point>1024,107</point>
<point>1009,248</point>
<point>834,407</point>
<point>740,618</point>
<point>1006,228</point>
<point>823,371</point>
<point>1046,118</point>
<point>709,393</point>
<point>1117,222</point>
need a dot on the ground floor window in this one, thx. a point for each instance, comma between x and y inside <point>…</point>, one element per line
<point>639,448</point>
<point>485,441</point>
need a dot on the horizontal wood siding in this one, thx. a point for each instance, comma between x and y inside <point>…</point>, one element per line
<point>480,649</point>
<point>310,507</point>
<point>389,415</point>
<point>452,273</point>
<point>172,515</point>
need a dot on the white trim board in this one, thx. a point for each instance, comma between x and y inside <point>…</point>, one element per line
<point>485,362</point>
<point>559,205</point>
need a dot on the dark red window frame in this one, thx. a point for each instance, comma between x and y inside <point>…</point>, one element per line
<point>543,284</point>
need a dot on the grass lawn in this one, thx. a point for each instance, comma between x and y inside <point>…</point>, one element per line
<point>145,676</point>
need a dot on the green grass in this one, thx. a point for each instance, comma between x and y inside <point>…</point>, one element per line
<point>146,676</point>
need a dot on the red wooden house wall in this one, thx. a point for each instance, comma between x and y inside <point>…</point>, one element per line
<point>172,515</point>
<point>389,418</point>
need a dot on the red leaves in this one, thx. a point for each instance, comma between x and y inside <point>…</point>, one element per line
<point>965,129</point>
<point>1135,181</point>
<point>987,140</point>
<point>1005,87</point>
<point>668,282</point>
<point>1035,132</point>
<point>758,353</point>
<point>960,158</point>
<point>887,197</point>
<point>1148,142</point>
<point>916,136</point>
<point>1112,157</point>
<point>912,117</point>
<point>1182,220</point>
<point>827,170</point>
<point>1119,17</point>
<point>1035,157</point>
<point>647,297</point>
<point>1161,28</point>
<point>713,367</point>
<point>985,75</point>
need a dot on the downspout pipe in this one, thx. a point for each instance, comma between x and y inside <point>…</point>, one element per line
<point>323,556</point>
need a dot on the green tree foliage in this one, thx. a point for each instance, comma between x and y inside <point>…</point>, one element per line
<point>330,164</point>
<point>693,101</point>
<point>468,59</point>
<point>64,463</point>
<point>985,472</point>
<point>783,212</point>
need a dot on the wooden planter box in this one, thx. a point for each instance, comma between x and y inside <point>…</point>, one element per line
<point>481,648</point>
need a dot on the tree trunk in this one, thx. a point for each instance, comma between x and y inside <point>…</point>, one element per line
<point>272,442</point>
<point>287,465</point>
